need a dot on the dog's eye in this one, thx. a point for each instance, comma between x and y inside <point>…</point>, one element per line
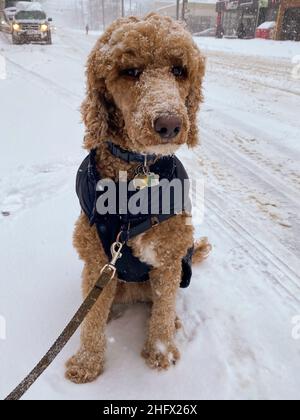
<point>179,71</point>
<point>132,73</point>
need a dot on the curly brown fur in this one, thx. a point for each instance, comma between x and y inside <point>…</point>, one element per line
<point>124,109</point>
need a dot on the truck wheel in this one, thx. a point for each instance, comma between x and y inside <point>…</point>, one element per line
<point>15,41</point>
<point>49,39</point>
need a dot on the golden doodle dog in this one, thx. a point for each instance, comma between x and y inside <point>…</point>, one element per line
<point>144,88</point>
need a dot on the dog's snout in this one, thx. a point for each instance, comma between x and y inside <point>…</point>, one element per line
<point>168,126</point>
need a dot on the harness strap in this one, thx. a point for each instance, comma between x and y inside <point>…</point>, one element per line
<point>143,227</point>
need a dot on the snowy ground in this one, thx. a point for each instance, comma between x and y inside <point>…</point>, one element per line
<point>237,340</point>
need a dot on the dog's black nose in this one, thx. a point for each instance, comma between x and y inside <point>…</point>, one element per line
<point>168,126</point>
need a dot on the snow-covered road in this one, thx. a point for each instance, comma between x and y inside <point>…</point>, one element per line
<point>239,339</point>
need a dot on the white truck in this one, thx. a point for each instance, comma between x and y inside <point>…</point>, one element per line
<point>5,21</point>
<point>30,24</point>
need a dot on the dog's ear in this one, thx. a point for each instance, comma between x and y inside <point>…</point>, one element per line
<point>195,97</point>
<point>95,109</point>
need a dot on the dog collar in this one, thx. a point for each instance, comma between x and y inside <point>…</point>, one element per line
<point>131,157</point>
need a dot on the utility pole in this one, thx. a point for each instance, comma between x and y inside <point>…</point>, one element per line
<point>184,8</point>
<point>177,9</point>
<point>103,14</point>
<point>278,31</point>
<point>123,8</point>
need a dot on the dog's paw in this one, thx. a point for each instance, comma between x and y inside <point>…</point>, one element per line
<point>84,367</point>
<point>161,356</point>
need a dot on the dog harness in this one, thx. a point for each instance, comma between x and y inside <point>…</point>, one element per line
<point>130,268</point>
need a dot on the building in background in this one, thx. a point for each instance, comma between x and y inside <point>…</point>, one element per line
<point>228,16</point>
<point>250,16</point>
<point>271,12</point>
<point>288,20</point>
<point>201,15</point>
<point>240,18</point>
<point>198,14</point>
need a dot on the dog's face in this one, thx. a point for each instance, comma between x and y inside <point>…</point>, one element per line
<point>144,86</point>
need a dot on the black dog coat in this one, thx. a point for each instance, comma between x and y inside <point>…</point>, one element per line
<point>129,268</point>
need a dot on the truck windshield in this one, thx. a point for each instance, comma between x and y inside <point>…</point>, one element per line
<point>30,15</point>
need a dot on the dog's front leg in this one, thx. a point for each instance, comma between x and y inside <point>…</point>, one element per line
<point>88,363</point>
<point>160,351</point>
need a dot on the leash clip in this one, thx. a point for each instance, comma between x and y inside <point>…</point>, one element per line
<point>110,269</point>
<point>115,250</point>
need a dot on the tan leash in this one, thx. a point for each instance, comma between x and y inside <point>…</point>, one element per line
<point>107,274</point>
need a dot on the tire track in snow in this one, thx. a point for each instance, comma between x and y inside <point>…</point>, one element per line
<point>248,228</point>
<point>239,234</point>
<point>65,94</point>
<point>271,71</point>
<point>257,171</point>
<point>284,274</point>
<point>251,184</point>
<point>31,186</point>
<point>223,144</point>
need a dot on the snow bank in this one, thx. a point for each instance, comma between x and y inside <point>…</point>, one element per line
<point>251,47</point>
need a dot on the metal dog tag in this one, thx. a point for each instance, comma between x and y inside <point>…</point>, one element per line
<point>147,180</point>
<point>153,180</point>
<point>140,181</point>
